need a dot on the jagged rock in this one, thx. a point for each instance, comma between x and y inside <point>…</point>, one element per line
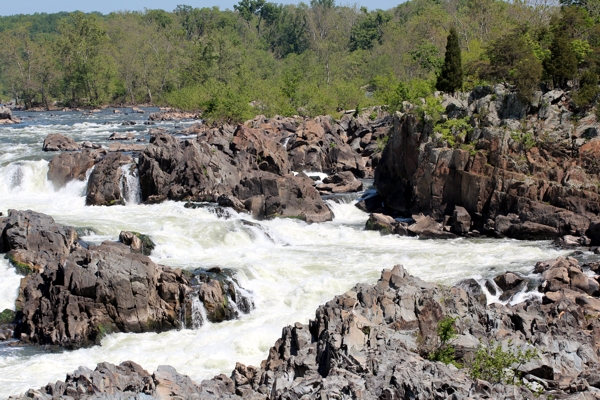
<point>137,242</point>
<point>65,167</point>
<point>565,274</point>
<point>5,113</point>
<point>550,187</point>
<point>427,228</point>
<point>382,223</point>
<point>267,195</point>
<point>58,142</point>
<point>342,182</point>
<point>35,241</point>
<point>461,220</point>
<point>104,185</point>
<point>271,155</point>
<point>126,147</point>
<point>96,291</point>
<point>187,170</point>
<point>123,135</point>
<point>363,344</point>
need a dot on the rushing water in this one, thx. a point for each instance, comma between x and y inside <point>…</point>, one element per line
<point>290,267</point>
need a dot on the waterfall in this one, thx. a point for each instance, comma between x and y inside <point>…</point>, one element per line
<point>198,316</point>
<point>16,176</point>
<point>130,184</point>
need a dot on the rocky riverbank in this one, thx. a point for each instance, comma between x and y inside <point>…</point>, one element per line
<point>377,341</point>
<point>255,167</point>
<point>74,293</point>
<point>501,167</point>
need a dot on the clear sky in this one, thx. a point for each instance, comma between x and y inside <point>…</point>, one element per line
<point>11,7</point>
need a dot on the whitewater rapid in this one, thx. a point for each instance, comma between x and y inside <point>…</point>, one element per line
<point>289,266</point>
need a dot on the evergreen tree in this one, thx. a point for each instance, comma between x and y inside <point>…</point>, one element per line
<point>562,64</point>
<point>451,77</point>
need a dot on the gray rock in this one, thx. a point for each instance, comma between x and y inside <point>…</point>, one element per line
<point>104,185</point>
<point>58,142</point>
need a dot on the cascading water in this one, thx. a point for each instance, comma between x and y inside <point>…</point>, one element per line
<point>199,316</point>
<point>289,266</point>
<point>130,184</point>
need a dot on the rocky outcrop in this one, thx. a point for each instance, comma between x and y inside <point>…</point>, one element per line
<point>128,380</point>
<point>527,181</point>
<point>137,242</point>
<point>58,142</point>
<point>34,241</point>
<point>244,169</point>
<point>97,291</point>
<point>104,185</point>
<point>172,116</point>
<point>65,167</point>
<point>266,196</point>
<point>374,342</point>
<point>342,182</point>
<point>6,117</point>
<point>73,293</point>
<point>184,170</point>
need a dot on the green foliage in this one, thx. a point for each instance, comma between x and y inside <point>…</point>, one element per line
<point>7,316</point>
<point>369,31</point>
<point>451,75</point>
<point>581,49</point>
<point>431,110</point>
<point>512,58</point>
<point>496,365</point>
<point>526,139</point>
<point>445,350</point>
<point>310,58</point>
<point>382,142</point>
<point>588,90</point>
<point>454,130</point>
<point>427,56</point>
<point>562,64</point>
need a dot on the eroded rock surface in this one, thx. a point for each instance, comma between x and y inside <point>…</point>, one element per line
<point>369,343</point>
<point>544,190</point>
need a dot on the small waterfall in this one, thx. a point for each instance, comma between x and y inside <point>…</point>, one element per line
<point>244,303</point>
<point>198,317</point>
<point>130,184</point>
<point>193,314</point>
<point>16,176</point>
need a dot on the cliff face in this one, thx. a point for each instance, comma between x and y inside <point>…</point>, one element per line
<point>526,176</point>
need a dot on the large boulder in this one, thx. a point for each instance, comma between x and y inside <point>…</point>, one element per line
<point>65,167</point>
<point>35,241</point>
<point>58,142</point>
<point>267,195</point>
<point>100,290</point>
<point>270,154</point>
<point>104,185</point>
<point>188,170</point>
<point>342,182</point>
<point>5,113</point>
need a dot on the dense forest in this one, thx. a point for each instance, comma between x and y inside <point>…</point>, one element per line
<point>309,59</point>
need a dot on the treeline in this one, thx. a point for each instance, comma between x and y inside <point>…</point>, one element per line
<point>307,59</point>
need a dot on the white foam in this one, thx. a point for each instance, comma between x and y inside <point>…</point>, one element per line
<point>9,285</point>
<point>289,266</point>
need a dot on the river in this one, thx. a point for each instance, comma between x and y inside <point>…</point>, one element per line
<point>289,266</point>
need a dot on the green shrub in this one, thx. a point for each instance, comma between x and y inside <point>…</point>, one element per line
<point>526,139</point>
<point>454,129</point>
<point>382,142</point>
<point>445,350</point>
<point>496,365</point>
